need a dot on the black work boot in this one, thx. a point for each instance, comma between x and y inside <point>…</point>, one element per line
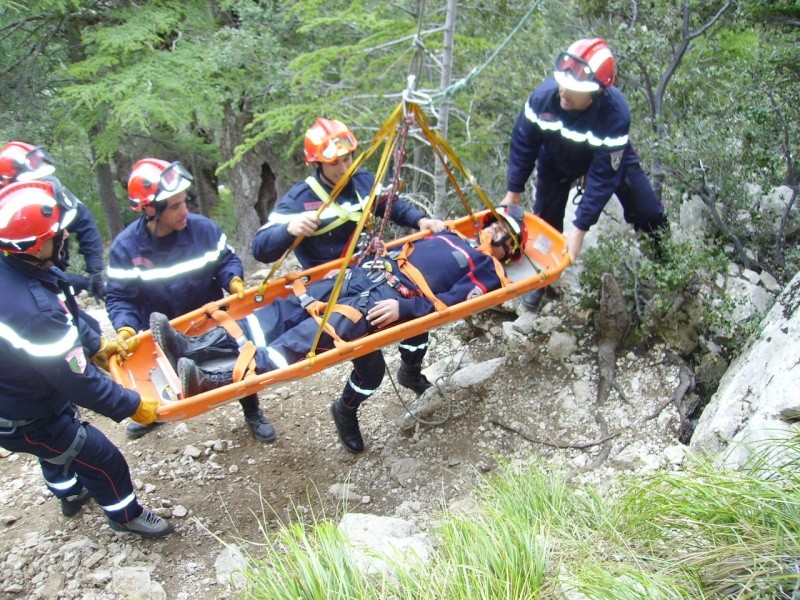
<point>346,421</point>
<point>215,343</point>
<point>533,299</point>
<point>195,380</point>
<point>72,504</point>
<point>411,377</point>
<point>261,426</point>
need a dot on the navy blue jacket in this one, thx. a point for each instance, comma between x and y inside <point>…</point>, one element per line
<point>173,275</point>
<point>273,238</point>
<point>454,270</point>
<point>573,143</point>
<point>45,350</point>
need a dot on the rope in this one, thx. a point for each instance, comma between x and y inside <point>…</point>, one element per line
<point>441,387</point>
<point>465,81</point>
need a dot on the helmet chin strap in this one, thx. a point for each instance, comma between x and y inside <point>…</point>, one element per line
<point>44,263</point>
<point>502,243</point>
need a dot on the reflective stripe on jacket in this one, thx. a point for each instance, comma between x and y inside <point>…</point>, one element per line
<point>172,275</point>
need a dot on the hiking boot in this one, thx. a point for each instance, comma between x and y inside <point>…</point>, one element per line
<point>533,299</point>
<point>346,421</point>
<point>148,525</point>
<point>411,377</point>
<point>262,428</point>
<point>195,380</point>
<point>215,343</point>
<point>72,504</point>
<point>136,430</point>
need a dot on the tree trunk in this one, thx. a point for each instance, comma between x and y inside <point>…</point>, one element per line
<point>440,178</point>
<point>108,195</point>
<point>253,181</point>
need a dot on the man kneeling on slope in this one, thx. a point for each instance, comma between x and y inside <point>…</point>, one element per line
<point>429,274</point>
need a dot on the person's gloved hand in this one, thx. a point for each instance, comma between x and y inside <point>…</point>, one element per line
<point>146,413</point>
<point>107,348</point>
<point>97,285</point>
<point>126,343</point>
<point>237,287</point>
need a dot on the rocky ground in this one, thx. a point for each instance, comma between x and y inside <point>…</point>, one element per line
<point>218,485</point>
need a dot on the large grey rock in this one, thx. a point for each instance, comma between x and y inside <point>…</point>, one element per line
<point>376,543</point>
<point>758,387</point>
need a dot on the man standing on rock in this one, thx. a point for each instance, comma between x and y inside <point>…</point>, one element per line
<point>44,371</point>
<point>576,126</point>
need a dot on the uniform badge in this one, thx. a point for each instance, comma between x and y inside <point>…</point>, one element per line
<point>475,292</point>
<point>76,359</point>
<point>314,205</point>
<point>616,159</point>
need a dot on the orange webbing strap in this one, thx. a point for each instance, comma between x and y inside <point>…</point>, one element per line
<point>485,246</point>
<point>314,307</point>
<point>245,363</point>
<point>247,349</point>
<point>415,276</point>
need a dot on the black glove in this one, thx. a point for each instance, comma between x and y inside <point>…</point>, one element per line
<point>97,285</point>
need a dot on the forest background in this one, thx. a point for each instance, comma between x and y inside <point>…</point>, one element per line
<point>229,87</point>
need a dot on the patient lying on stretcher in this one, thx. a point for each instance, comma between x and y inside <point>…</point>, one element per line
<point>429,274</point>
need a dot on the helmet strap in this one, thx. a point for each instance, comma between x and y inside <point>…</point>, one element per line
<point>501,243</point>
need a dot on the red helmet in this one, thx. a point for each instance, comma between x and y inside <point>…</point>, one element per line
<point>327,140</point>
<point>32,212</point>
<point>22,162</point>
<point>155,180</point>
<point>586,66</point>
<point>513,217</point>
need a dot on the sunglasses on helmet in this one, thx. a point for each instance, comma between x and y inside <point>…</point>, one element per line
<point>578,68</point>
<point>36,158</point>
<point>171,177</point>
<point>334,144</point>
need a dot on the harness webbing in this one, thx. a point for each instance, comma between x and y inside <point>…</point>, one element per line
<point>344,216</point>
<point>314,307</point>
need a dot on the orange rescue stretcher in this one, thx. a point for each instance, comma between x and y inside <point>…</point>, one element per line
<point>149,373</point>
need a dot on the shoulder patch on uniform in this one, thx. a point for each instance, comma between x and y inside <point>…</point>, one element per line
<point>76,359</point>
<point>616,159</point>
<point>548,116</point>
<point>475,293</point>
<point>312,205</point>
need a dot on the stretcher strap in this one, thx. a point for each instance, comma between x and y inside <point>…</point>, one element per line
<point>245,362</point>
<point>415,276</point>
<point>225,321</point>
<point>315,307</point>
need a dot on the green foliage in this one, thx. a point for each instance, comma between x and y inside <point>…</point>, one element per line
<point>660,287</point>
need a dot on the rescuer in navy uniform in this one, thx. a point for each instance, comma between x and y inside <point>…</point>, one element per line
<point>576,125</point>
<point>329,147</point>
<point>45,371</point>
<point>170,261</point>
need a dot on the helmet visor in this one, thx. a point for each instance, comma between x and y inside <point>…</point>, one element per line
<point>575,74</point>
<point>338,145</point>
<point>36,158</point>
<point>37,163</point>
<point>172,177</point>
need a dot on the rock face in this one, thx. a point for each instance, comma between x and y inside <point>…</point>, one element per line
<point>758,396</point>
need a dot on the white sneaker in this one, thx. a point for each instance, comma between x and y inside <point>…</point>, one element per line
<point>148,525</point>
